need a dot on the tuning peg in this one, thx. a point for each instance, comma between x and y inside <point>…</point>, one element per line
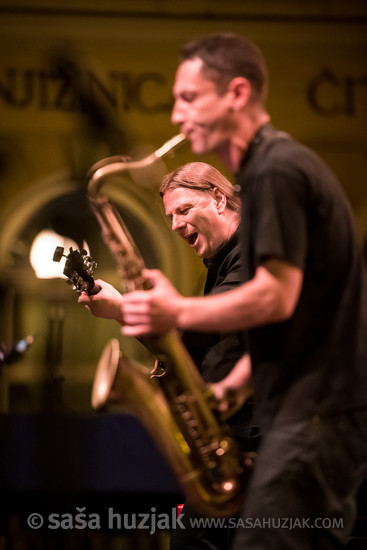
<point>58,254</point>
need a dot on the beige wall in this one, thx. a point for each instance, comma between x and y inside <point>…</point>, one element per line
<point>126,54</point>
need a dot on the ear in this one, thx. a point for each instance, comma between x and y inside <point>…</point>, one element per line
<point>239,91</point>
<point>221,201</point>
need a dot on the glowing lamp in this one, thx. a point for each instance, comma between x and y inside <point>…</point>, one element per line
<point>42,251</point>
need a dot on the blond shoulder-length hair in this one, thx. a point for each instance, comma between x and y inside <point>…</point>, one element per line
<point>201,177</point>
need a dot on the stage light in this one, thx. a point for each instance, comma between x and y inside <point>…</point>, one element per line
<point>42,251</point>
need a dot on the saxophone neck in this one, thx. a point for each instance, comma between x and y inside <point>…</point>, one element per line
<point>111,166</point>
<point>170,146</point>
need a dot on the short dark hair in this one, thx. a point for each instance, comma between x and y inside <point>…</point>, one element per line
<point>227,55</point>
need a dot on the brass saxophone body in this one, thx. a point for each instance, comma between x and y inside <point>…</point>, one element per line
<point>172,401</point>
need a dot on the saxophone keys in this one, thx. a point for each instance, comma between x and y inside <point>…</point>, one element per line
<point>159,369</point>
<point>224,446</point>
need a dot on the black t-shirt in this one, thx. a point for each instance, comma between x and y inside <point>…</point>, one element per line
<point>215,354</point>
<point>295,210</point>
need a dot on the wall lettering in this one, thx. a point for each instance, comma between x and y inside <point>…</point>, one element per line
<point>328,94</point>
<point>331,95</point>
<point>147,92</point>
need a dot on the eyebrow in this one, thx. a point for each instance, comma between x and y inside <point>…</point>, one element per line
<point>182,206</point>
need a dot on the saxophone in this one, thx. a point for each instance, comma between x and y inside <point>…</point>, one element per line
<point>172,401</point>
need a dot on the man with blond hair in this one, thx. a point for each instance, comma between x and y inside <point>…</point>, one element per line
<point>204,210</point>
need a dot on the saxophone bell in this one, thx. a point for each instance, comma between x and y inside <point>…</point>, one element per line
<point>105,374</point>
<point>214,486</point>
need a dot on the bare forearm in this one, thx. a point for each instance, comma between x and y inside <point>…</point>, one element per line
<point>232,392</point>
<point>252,304</point>
<point>240,376</point>
<point>269,297</point>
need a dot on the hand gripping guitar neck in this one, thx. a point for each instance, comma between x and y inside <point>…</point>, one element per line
<point>79,268</point>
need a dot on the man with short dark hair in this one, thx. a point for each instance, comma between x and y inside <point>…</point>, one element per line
<point>303,303</point>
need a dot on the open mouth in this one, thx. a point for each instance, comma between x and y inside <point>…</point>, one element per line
<point>192,238</point>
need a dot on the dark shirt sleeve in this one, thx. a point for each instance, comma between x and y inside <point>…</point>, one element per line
<point>281,218</point>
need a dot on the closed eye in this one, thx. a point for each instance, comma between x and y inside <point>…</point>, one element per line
<point>180,212</point>
<point>188,97</point>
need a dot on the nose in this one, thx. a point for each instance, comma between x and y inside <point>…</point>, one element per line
<point>177,222</point>
<point>177,114</point>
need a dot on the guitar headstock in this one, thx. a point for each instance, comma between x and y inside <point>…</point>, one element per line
<point>79,269</point>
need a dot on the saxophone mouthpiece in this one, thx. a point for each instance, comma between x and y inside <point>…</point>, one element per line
<point>170,145</point>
